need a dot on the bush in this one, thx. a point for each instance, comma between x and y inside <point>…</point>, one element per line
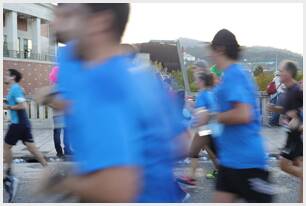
<point>263,79</point>
<point>299,76</point>
<point>177,75</point>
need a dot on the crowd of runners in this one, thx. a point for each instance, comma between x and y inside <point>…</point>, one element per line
<point>126,129</point>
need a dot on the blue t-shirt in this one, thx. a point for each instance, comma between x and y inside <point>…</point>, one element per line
<point>240,145</point>
<point>14,97</point>
<point>120,115</point>
<point>205,98</point>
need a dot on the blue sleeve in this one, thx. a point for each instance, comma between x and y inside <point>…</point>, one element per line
<point>211,103</point>
<point>112,137</point>
<point>63,73</point>
<point>236,90</point>
<point>18,94</point>
<point>199,101</point>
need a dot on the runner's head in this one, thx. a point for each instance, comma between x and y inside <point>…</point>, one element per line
<point>13,76</point>
<point>94,26</point>
<point>288,71</point>
<point>224,47</point>
<point>204,80</point>
<point>199,66</point>
<point>66,21</point>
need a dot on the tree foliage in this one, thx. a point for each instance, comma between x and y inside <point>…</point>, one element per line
<point>258,70</point>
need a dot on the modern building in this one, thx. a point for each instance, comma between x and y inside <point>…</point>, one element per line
<point>28,45</point>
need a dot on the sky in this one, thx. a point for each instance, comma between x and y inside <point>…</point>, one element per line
<point>278,25</point>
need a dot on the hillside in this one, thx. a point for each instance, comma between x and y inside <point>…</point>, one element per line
<point>255,55</point>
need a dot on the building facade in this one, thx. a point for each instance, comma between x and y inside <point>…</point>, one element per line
<point>28,45</point>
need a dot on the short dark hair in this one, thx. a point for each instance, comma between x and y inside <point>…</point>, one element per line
<point>121,13</point>
<point>206,77</point>
<point>291,67</point>
<point>224,39</point>
<point>16,74</point>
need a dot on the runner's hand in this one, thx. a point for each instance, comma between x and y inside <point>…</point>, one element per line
<point>292,114</point>
<point>270,107</point>
<point>200,118</point>
<point>42,96</point>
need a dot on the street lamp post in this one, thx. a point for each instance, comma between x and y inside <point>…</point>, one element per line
<point>183,68</point>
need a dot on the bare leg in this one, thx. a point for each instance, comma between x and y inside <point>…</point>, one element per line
<point>224,197</point>
<point>299,163</point>
<point>196,146</point>
<point>194,166</point>
<point>212,156</point>
<point>37,154</point>
<point>7,156</point>
<point>288,167</point>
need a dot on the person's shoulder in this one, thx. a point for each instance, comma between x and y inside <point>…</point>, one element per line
<point>66,52</point>
<point>235,71</point>
<point>16,87</point>
<point>297,88</point>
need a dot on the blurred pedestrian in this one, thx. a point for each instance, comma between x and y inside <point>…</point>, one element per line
<point>243,170</point>
<point>199,66</point>
<point>59,124</point>
<point>204,99</point>
<point>276,96</point>
<point>291,160</point>
<point>19,129</point>
<point>125,131</point>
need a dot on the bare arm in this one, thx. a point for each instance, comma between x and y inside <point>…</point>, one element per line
<point>241,114</point>
<point>117,184</point>
<point>182,144</point>
<point>57,104</point>
<point>19,106</point>
<point>275,108</point>
<point>45,96</point>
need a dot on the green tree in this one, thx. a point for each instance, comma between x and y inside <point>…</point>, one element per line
<point>258,70</point>
<point>299,76</point>
<point>263,79</point>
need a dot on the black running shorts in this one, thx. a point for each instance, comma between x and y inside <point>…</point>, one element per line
<point>253,185</point>
<point>294,146</point>
<point>18,132</point>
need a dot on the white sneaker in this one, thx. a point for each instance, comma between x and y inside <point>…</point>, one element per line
<point>13,188</point>
<point>187,196</point>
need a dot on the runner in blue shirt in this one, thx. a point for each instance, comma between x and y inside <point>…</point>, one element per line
<point>122,124</point>
<point>19,129</point>
<point>204,99</point>
<point>242,157</point>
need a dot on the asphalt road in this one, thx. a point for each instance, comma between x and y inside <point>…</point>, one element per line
<point>28,174</point>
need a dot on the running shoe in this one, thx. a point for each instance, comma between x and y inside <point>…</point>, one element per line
<point>186,198</point>
<point>186,180</point>
<point>11,185</point>
<point>212,175</point>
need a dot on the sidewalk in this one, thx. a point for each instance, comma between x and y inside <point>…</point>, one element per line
<point>274,139</point>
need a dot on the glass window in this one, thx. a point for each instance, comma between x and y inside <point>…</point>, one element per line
<point>19,44</point>
<point>25,48</point>
<point>30,44</point>
<point>5,42</point>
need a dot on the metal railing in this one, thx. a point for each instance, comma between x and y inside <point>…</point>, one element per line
<point>28,55</point>
<point>39,112</point>
<point>34,111</point>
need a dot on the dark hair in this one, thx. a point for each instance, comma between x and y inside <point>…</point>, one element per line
<point>16,74</point>
<point>224,39</point>
<point>291,67</point>
<point>207,78</point>
<point>120,10</point>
